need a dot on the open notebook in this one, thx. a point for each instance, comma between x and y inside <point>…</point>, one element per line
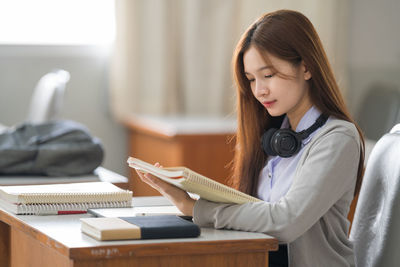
<point>193,182</point>
<point>63,198</point>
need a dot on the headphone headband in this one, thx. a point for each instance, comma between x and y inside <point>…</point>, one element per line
<point>286,142</point>
<point>318,123</point>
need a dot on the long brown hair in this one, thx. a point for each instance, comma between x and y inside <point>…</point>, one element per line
<point>290,36</point>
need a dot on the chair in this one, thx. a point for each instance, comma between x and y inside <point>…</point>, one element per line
<point>379,110</point>
<point>375,229</point>
<point>47,98</point>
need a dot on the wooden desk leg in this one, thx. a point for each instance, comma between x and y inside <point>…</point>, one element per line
<point>4,244</point>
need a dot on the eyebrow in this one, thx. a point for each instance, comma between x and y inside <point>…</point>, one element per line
<point>260,69</point>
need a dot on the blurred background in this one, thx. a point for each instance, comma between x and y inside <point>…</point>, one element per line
<point>171,58</point>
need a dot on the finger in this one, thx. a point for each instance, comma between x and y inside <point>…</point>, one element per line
<point>140,174</point>
<point>158,165</point>
<point>146,177</point>
<point>160,185</point>
<point>150,180</point>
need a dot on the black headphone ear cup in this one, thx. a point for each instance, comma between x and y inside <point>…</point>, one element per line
<point>266,142</point>
<point>286,143</point>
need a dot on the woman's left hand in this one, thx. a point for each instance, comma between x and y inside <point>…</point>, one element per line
<point>177,196</point>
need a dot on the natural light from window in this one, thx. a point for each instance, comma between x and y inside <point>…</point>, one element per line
<point>57,22</point>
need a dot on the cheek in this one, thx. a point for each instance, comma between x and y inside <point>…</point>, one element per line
<point>289,91</point>
<point>282,88</point>
<point>254,94</point>
<point>252,88</point>
<point>253,91</point>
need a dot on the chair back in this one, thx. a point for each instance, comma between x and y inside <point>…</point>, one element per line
<point>375,229</point>
<point>379,110</point>
<point>48,96</point>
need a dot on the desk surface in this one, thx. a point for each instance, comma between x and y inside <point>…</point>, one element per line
<point>61,234</point>
<point>99,174</point>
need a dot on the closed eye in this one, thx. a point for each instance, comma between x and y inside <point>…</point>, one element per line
<point>269,76</point>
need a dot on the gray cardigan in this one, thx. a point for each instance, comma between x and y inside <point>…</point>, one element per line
<point>312,217</point>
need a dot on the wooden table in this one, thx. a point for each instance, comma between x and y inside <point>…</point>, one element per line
<point>56,241</point>
<point>199,143</point>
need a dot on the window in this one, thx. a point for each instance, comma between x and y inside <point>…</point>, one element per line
<point>57,22</point>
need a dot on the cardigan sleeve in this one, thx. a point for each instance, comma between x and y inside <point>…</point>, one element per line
<point>326,172</point>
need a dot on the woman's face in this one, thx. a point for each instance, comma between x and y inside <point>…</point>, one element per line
<point>285,92</point>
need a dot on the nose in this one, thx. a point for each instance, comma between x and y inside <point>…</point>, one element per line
<point>260,88</point>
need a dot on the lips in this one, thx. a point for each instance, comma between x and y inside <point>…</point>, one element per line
<point>268,104</point>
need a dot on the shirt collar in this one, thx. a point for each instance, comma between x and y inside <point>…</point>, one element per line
<point>306,121</point>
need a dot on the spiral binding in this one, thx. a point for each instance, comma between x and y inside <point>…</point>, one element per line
<point>33,198</point>
<point>50,208</point>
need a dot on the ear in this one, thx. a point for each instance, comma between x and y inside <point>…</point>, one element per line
<point>306,72</point>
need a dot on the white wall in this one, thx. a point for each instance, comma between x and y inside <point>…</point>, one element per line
<point>374,46</point>
<point>86,98</point>
<point>374,55</point>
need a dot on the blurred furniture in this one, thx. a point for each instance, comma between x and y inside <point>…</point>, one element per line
<point>201,144</point>
<point>378,112</point>
<point>46,104</point>
<point>38,241</point>
<point>375,230</point>
<point>3,128</point>
<point>48,96</point>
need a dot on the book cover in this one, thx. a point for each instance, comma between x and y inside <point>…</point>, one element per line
<point>136,211</point>
<point>141,227</point>
<point>193,182</point>
<point>109,228</point>
<point>63,198</point>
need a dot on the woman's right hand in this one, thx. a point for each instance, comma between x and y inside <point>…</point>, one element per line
<point>177,196</point>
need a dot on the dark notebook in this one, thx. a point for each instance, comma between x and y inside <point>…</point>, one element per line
<point>139,227</point>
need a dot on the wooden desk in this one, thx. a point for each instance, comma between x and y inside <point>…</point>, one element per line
<point>201,144</point>
<point>56,241</point>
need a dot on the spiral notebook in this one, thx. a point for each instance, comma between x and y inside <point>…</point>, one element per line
<point>63,198</point>
<point>193,182</point>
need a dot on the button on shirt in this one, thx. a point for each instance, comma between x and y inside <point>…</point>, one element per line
<point>277,175</point>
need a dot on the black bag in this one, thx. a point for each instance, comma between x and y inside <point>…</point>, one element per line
<point>56,148</point>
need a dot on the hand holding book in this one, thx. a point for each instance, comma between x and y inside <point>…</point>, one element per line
<point>176,195</point>
<point>189,181</point>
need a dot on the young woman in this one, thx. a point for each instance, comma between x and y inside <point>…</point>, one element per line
<point>308,171</point>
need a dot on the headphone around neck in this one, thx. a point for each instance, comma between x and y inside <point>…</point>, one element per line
<point>286,142</point>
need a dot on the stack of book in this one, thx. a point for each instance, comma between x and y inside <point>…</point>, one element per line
<point>63,198</point>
